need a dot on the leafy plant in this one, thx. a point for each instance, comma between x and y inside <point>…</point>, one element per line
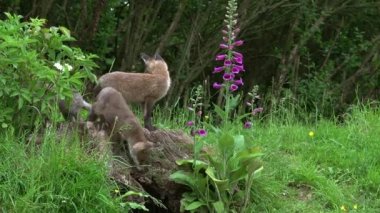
<point>223,184</point>
<point>37,69</point>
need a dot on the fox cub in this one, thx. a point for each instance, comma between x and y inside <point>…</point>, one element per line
<point>145,88</point>
<point>112,109</point>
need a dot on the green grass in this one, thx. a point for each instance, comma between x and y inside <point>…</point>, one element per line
<point>57,177</point>
<point>339,166</point>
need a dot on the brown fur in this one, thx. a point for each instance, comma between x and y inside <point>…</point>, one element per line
<point>145,88</point>
<point>72,112</point>
<point>111,108</point>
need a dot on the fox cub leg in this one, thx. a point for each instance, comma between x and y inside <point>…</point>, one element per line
<point>148,111</point>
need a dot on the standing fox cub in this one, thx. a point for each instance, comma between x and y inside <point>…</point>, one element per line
<point>112,109</point>
<point>145,88</point>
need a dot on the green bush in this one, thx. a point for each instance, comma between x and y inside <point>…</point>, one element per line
<point>37,69</point>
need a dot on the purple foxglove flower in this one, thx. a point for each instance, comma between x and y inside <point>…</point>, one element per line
<point>247,124</point>
<point>220,57</point>
<point>239,82</point>
<point>240,67</point>
<point>225,32</point>
<point>202,132</point>
<point>223,46</point>
<point>199,113</point>
<point>227,63</point>
<point>225,39</point>
<point>190,123</point>
<point>238,43</point>
<point>257,110</point>
<point>235,70</point>
<point>228,76</point>
<point>233,87</point>
<point>237,54</point>
<point>238,60</point>
<point>218,69</point>
<point>237,30</point>
<point>217,85</point>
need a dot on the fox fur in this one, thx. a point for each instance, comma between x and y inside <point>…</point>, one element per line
<point>112,109</point>
<point>144,88</point>
<point>71,113</point>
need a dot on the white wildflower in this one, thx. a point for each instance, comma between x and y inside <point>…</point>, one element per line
<point>58,65</point>
<point>68,67</point>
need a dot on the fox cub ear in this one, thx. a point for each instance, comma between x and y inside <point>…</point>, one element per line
<point>145,57</point>
<point>158,57</point>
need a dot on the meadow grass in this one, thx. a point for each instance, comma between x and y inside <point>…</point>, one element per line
<point>57,176</point>
<point>336,170</point>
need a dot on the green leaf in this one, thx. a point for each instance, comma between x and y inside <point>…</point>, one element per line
<point>194,205</point>
<point>238,174</point>
<point>218,206</point>
<point>239,142</point>
<point>226,145</point>
<point>185,178</point>
<point>234,101</point>
<point>198,163</point>
<point>134,205</point>
<point>222,184</point>
<point>65,31</point>
<point>20,103</point>
<point>4,125</point>
<point>221,113</point>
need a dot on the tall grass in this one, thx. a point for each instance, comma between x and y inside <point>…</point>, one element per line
<point>338,168</point>
<point>57,176</point>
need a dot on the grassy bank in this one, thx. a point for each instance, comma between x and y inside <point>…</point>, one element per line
<point>335,170</point>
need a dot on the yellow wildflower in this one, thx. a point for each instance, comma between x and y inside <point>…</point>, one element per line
<point>206,117</point>
<point>311,134</point>
<point>343,208</point>
<point>356,206</point>
<point>116,190</point>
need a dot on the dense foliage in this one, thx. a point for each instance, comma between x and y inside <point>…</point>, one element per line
<point>37,69</point>
<point>321,54</point>
<point>303,61</point>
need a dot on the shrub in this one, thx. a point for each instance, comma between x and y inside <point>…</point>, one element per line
<point>37,69</point>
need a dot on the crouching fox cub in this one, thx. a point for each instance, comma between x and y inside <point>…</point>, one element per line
<point>145,88</point>
<point>112,109</point>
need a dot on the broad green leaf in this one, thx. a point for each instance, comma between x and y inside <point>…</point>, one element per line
<point>20,103</point>
<point>218,206</point>
<point>234,101</point>
<point>198,163</point>
<point>254,166</point>
<point>221,113</point>
<point>194,205</point>
<point>65,31</point>
<point>226,145</point>
<point>239,143</point>
<point>185,178</point>
<point>237,174</point>
<point>221,184</point>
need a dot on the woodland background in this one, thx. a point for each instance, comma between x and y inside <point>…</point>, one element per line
<point>320,54</point>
